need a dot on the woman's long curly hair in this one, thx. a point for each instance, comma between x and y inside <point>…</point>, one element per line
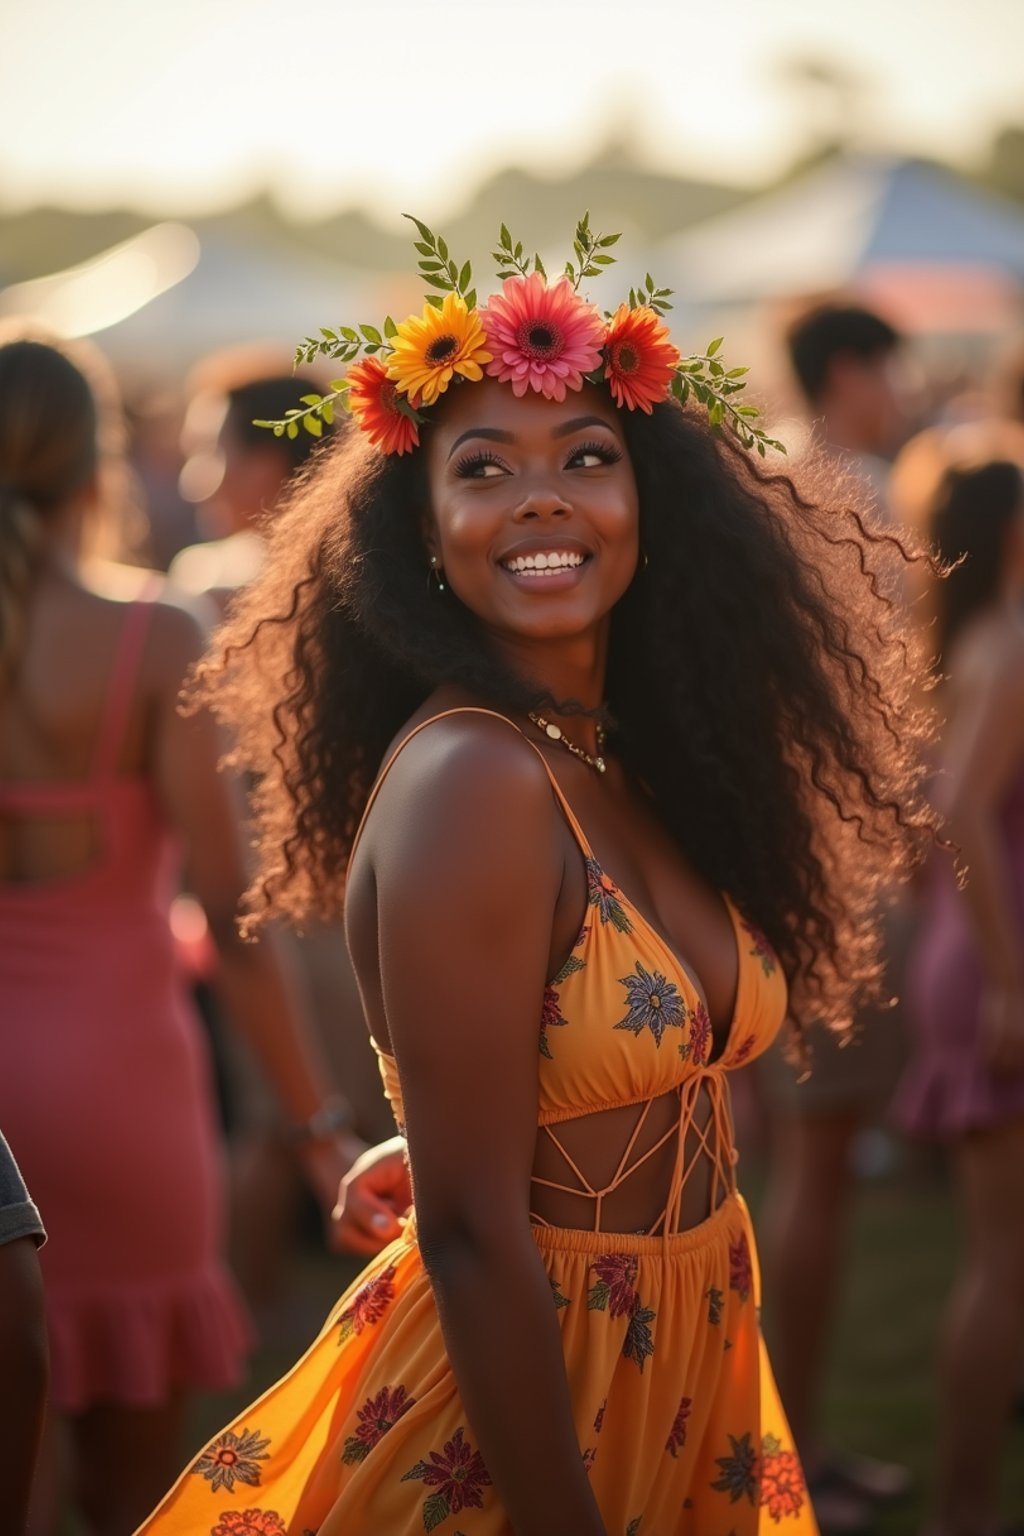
<point>759,686</point>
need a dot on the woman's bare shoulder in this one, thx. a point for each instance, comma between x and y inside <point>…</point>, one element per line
<point>464,775</point>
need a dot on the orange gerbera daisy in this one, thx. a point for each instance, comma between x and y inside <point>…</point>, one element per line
<point>373,401</point>
<point>429,349</point>
<point>639,359</point>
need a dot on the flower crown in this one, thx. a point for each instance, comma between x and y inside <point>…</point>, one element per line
<point>534,334</point>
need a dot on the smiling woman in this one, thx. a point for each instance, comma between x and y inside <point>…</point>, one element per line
<point>574,705</point>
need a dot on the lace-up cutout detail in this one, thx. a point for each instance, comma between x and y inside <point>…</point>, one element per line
<point>696,1150</point>
<point>624,1062</point>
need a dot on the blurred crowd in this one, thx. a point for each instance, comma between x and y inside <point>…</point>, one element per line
<point>125,530</point>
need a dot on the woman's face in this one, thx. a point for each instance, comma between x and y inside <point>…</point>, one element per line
<point>534,508</point>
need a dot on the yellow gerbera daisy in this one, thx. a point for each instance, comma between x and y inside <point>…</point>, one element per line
<point>430,348</point>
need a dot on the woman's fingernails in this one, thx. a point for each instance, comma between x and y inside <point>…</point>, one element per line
<point>380,1220</point>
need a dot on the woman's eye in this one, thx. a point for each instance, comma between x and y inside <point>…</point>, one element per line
<point>591,455</point>
<point>479,466</point>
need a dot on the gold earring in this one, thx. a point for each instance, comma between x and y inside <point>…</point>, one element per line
<point>437,571</point>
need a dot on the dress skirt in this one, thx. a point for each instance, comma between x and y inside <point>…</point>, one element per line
<point>677,1415</point>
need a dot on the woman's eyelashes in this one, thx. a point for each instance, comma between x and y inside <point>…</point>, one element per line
<point>604,453</point>
<point>476,466</point>
<point>484,464</point>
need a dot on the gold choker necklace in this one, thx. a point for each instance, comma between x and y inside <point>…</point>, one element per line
<point>555,733</point>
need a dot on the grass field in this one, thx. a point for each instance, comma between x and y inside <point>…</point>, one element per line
<point>880,1398</point>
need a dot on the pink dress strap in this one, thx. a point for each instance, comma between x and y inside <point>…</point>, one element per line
<point>472,709</point>
<point>123,678</point>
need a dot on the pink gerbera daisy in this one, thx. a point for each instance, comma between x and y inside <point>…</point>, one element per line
<point>543,338</point>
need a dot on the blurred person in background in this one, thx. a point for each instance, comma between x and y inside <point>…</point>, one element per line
<point>850,366</point>
<point>24,1365</point>
<point>239,473</point>
<point>104,1085</point>
<point>847,363</point>
<point>234,472</point>
<point>154,424</point>
<point>964,1084</point>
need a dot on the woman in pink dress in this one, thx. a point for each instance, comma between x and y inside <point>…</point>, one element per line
<point>105,1093</point>
<point>965,1081</point>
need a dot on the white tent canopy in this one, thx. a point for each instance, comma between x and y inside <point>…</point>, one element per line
<point>841,222</point>
<point>168,295</point>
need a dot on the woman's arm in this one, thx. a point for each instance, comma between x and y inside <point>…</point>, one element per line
<point>991,755</point>
<point>258,981</point>
<point>468,868</point>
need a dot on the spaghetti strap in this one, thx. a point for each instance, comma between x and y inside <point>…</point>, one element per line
<point>472,709</point>
<point>123,677</point>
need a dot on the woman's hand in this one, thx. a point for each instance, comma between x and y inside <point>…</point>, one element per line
<point>374,1193</point>
<point>1002,1026</point>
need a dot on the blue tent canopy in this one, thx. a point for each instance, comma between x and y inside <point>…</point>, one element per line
<point>836,223</point>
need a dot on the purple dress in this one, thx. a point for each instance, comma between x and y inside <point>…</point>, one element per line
<point>948,1087</point>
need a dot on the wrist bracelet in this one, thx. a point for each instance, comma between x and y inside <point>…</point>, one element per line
<point>331,1119</point>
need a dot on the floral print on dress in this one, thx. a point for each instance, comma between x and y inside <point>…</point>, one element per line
<point>603,894</point>
<point>677,1434</point>
<point>761,950</point>
<point>741,1269</point>
<point>740,1054</point>
<point>653,1003</point>
<point>590,1455</point>
<point>551,1017</point>
<point>573,962</point>
<point>369,1304</point>
<point>249,1522</point>
<point>373,1420</point>
<point>639,1344</point>
<point>696,1047</point>
<point>783,1490</point>
<point>458,1474</point>
<point>560,1300</point>
<point>741,1471</point>
<point>613,1290</point>
<point>232,1459</point>
<point>715,1300</point>
<point>551,1009</point>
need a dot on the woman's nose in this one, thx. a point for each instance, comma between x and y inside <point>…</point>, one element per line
<point>541,502</point>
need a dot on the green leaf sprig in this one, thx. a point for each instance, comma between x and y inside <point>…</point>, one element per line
<point>438,269</point>
<point>591,252</point>
<point>510,260</point>
<point>713,386</point>
<point>344,344</point>
<point>645,294</point>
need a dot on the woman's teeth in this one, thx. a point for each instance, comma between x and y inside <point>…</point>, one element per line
<point>557,561</point>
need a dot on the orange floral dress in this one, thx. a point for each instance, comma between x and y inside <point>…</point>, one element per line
<point>676,1411</point>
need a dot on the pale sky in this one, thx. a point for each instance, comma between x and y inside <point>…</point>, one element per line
<point>178,108</point>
